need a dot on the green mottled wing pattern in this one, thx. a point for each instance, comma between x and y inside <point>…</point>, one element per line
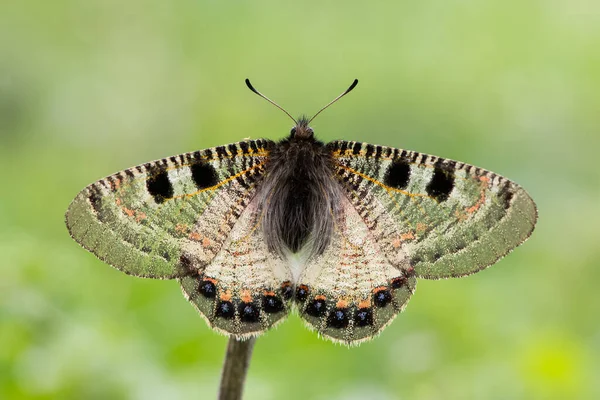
<point>441,217</point>
<point>166,218</point>
<point>194,217</point>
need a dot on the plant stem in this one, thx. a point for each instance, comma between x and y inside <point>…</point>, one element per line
<point>237,360</point>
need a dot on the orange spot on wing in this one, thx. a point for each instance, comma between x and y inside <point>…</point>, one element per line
<point>397,242</point>
<point>195,236</point>
<point>118,201</point>
<point>320,297</point>
<point>421,227</point>
<point>269,293</point>
<point>407,236</point>
<point>341,303</point>
<point>303,287</point>
<point>128,211</point>
<point>205,242</point>
<point>379,289</point>
<point>226,296</point>
<point>364,303</point>
<point>212,280</point>
<point>246,296</point>
<point>474,208</point>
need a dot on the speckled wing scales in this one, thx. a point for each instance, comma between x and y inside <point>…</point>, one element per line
<point>443,218</point>
<point>189,217</point>
<point>245,289</point>
<point>351,291</point>
<point>165,217</point>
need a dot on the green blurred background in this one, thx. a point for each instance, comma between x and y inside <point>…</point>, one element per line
<point>91,87</point>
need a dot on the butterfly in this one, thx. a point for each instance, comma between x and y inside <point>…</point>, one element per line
<point>339,232</point>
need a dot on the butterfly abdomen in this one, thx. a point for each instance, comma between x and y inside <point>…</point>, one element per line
<point>299,197</point>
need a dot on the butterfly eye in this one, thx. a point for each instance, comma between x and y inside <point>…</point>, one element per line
<point>293,131</point>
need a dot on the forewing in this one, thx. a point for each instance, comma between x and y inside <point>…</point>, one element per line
<point>245,289</point>
<point>351,291</point>
<point>168,217</point>
<point>442,217</point>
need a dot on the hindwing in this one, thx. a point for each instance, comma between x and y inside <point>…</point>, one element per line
<point>442,217</point>
<point>351,291</point>
<point>245,289</point>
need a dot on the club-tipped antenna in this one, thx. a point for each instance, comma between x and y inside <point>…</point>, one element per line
<point>336,99</point>
<point>268,99</point>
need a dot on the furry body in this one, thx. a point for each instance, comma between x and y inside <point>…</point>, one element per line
<point>299,195</point>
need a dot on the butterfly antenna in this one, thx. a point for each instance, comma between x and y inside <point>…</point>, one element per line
<point>268,99</point>
<point>336,99</point>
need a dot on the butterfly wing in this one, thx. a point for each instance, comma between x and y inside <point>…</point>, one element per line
<point>192,217</point>
<point>351,291</point>
<point>170,217</point>
<point>245,289</point>
<point>442,217</point>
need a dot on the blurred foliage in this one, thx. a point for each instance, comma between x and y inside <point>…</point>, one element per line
<point>91,87</point>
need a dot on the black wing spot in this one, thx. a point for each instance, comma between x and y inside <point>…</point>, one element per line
<point>302,293</point>
<point>363,317</point>
<point>158,184</point>
<point>398,282</point>
<point>272,304</point>
<point>287,291</point>
<point>356,148</point>
<point>338,318</point>
<point>225,310</point>
<point>249,312</point>
<point>207,288</point>
<point>397,174</point>
<point>203,174</point>
<point>441,184</point>
<point>316,308</point>
<point>382,298</point>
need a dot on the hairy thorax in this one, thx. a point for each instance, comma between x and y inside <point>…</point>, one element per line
<point>299,197</point>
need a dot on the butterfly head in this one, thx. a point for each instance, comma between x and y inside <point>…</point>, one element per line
<point>302,130</point>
